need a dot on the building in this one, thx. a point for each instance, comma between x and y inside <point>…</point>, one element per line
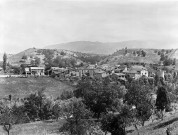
<point>37,71</point>
<point>120,76</point>
<point>99,73</point>
<point>136,72</point>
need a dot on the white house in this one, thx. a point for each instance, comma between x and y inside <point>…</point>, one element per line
<point>37,70</point>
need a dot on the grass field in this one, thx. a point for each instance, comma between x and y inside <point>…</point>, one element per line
<point>35,128</point>
<point>21,87</point>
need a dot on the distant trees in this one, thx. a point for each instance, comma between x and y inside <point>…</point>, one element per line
<point>91,59</point>
<point>60,62</point>
<point>36,61</point>
<point>167,61</point>
<point>24,57</point>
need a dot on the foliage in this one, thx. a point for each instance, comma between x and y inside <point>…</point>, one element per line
<point>91,59</point>
<point>37,61</point>
<point>62,53</point>
<point>4,62</point>
<point>143,111</point>
<point>16,70</point>
<point>98,96</point>
<point>36,107</point>
<point>24,57</point>
<point>78,118</point>
<point>138,95</point>
<point>115,123</point>
<point>162,100</point>
<point>66,95</point>
<point>60,62</point>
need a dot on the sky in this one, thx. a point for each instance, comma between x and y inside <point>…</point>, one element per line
<point>38,23</point>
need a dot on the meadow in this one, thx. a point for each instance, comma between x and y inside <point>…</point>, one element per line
<point>22,87</point>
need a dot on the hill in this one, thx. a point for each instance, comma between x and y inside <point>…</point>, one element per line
<point>120,57</point>
<point>102,48</point>
<point>174,54</point>
<point>32,53</point>
<point>21,87</point>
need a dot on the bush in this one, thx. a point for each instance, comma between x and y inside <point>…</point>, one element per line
<point>24,57</point>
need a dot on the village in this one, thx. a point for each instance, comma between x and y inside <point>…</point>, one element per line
<point>121,72</point>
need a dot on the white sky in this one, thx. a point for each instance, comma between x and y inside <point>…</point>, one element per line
<point>38,23</point>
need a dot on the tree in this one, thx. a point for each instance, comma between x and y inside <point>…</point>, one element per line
<point>37,106</point>
<point>98,96</point>
<point>24,57</point>
<point>143,53</point>
<point>174,62</point>
<point>115,123</point>
<point>144,111</point>
<point>4,62</point>
<point>78,117</point>
<point>162,100</point>
<point>125,51</point>
<point>37,61</point>
<point>138,95</point>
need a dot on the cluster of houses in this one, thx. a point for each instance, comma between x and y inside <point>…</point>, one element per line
<point>120,71</point>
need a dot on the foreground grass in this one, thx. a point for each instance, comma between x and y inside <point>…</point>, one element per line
<point>35,128</point>
<point>159,127</point>
<point>21,87</point>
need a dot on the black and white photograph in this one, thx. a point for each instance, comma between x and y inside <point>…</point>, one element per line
<point>88,67</point>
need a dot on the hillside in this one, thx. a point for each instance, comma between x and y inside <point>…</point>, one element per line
<point>102,48</point>
<point>174,54</point>
<point>120,57</point>
<point>32,53</point>
<point>21,87</point>
<point>159,127</point>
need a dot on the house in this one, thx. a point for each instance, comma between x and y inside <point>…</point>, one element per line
<point>37,70</point>
<point>120,76</point>
<point>99,73</point>
<point>136,72</point>
<point>120,68</point>
<point>85,72</point>
<point>142,71</point>
<point>132,73</point>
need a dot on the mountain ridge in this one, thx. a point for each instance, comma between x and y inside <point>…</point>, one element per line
<point>102,47</point>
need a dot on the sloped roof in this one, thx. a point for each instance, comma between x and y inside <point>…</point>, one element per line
<point>138,68</point>
<point>37,68</point>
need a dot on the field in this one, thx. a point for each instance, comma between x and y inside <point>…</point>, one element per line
<point>21,87</point>
<point>35,128</point>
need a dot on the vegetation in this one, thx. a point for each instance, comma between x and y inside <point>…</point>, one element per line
<point>4,62</point>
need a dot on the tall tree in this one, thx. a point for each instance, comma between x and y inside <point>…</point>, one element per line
<point>162,100</point>
<point>4,62</point>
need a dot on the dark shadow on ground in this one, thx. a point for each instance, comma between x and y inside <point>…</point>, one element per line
<point>164,124</point>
